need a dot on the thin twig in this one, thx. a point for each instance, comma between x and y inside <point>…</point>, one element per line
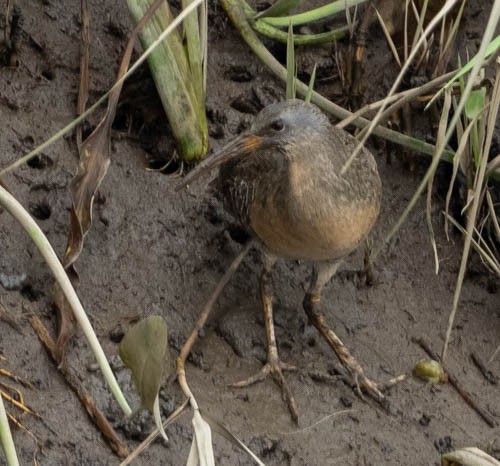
<point>202,319</point>
<point>73,381</point>
<point>487,374</point>
<point>494,355</point>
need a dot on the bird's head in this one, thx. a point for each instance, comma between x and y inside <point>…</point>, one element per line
<point>278,125</point>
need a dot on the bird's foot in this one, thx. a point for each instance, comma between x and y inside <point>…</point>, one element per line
<point>274,368</point>
<point>364,384</point>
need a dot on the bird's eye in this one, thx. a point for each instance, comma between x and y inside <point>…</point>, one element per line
<point>278,125</point>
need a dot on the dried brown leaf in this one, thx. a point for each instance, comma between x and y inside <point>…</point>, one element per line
<point>92,168</point>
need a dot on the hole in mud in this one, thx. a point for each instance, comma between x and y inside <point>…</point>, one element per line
<point>166,166</point>
<point>41,211</point>
<point>40,162</point>
<point>86,131</point>
<point>48,75</point>
<point>238,234</point>
<point>279,51</point>
<point>121,121</point>
<point>28,292</point>
<point>28,141</point>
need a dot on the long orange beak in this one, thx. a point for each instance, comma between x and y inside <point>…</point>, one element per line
<point>242,145</point>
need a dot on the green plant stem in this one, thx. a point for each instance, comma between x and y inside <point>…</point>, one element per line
<point>322,12</point>
<point>19,213</point>
<point>239,19</point>
<point>6,437</point>
<point>178,74</point>
<point>299,39</point>
<point>274,33</point>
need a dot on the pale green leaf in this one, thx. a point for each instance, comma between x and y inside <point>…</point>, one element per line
<point>475,103</point>
<point>144,351</point>
<point>492,48</point>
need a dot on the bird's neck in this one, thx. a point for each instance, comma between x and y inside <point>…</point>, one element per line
<point>305,196</point>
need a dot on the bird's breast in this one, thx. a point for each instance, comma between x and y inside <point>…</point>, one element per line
<point>313,220</point>
<point>313,237</point>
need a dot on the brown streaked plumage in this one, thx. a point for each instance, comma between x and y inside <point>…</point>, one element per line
<point>282,180</point>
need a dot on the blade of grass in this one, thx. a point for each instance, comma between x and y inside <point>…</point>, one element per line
<point>424,182</point>
<point>310,88</point>
<point>195,51</point>
<point>290,65</point>
<point>6,437</point>
<point>486,254</point>
<point>480,175</point>
<point>405,38</point>
<point>186,349</point>
<point>493,215</point>
<point>388,37</point>
<point>420,21</point>
<point>464,139</point>
<point>439,140</point>
<point>453,31</point>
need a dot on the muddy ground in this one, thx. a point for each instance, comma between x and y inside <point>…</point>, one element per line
<point>153,251</point>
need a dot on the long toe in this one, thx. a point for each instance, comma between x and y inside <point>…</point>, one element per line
<point>275,369</point>
<point>366,385</point>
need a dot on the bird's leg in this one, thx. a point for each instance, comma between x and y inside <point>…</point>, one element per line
<point>320,276</point>
<point>273,366</point>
